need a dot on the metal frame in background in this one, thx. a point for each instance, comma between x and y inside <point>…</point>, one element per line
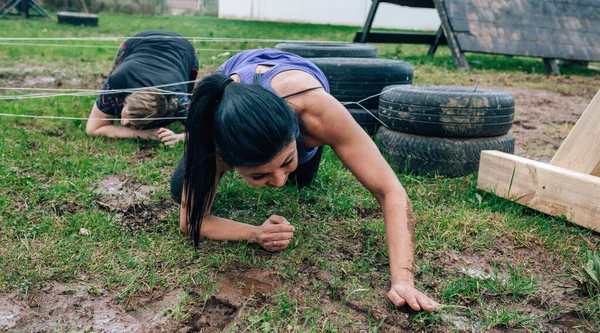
<point>434,40</point>
<point>23,7</point>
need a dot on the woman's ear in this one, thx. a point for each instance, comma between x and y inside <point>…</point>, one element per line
<point>221,165</point>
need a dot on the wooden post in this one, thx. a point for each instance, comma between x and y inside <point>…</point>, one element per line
<point>581,149</point>
<point>436,41</point>
<point>551,66</point>
<point>459,57</point>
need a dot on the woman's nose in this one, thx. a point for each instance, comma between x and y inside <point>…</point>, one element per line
<point>125,122</point>
<point>278,179</point>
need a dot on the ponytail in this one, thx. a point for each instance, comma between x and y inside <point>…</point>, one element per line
<point>246,125</point>
<point>200,153</point>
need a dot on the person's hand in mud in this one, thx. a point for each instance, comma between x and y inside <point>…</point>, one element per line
<point>405,293</point>
<point>168,137</point>
<point>275,234</point>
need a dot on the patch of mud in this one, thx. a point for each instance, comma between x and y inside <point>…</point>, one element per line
<point>222,309</point>
<point>460,323</point>
<point>85,307</point>
<point>22,69</point>
<point>29,81</point>
<point>543,119</point>
<point>567,324</point>
<point>132,203</point>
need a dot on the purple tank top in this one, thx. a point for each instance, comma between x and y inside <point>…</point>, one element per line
<point>244,65</point>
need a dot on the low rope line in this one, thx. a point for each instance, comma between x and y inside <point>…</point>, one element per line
<point>105,46</point>
<point>83,94</point>
<point>90,93</point>
<point>84,118</point>
<point>191,39</point>
<point>178,118</point>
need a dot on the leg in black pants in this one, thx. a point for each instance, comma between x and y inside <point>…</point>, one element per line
<point>306,173</point>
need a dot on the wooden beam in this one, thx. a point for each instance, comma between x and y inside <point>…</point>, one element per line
<point>580,151</point>
<point>459,57</point>
<point>546,188</point>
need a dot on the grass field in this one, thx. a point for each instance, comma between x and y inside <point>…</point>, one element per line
<point>88,229</point>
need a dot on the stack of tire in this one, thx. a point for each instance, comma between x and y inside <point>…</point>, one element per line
<point>354,74</point>
<point>442,130</point>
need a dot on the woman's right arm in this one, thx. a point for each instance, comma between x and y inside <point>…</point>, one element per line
<point>275,234</point>
<point>101,124</point>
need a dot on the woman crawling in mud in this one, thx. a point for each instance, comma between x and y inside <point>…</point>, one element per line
<point>148,59</point>
<point>267,114</point>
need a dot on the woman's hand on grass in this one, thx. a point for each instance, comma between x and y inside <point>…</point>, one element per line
<point>275,234</point>
<point>404,293</point>
<point>168,137</point>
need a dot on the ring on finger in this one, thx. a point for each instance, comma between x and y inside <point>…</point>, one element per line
<point>275,243</point>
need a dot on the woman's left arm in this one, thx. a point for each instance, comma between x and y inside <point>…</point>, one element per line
<point>328,122</point>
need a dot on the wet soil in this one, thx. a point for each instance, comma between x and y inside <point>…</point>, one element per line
<point>543,119</point>
<point>86,307</point>
<point>131,202</point>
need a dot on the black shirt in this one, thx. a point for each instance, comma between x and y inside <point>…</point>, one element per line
<point>152,58</point>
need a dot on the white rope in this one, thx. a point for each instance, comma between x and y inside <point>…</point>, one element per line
<point>365,99</point>
<point>84,92</point>
<point>83,118</point>
<point>191,39</point>
<point>95,91</point>
<point>106,46</point>
<point>175,118</point>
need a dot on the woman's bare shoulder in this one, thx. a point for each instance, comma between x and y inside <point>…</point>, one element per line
<point>290,82</point>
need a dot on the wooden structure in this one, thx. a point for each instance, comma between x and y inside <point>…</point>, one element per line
<point>366,35</point>
<point>22,7</point>
<point>569,186</point>
<point>547,29</point>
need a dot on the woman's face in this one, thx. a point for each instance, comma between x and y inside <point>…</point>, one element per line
<point>274,173</point>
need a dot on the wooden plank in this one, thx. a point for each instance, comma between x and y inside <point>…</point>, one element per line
<point>546,188</point>
<point>459,57</point>
<point>580,151</point>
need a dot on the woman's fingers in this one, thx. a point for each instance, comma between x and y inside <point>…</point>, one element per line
<point>277,219</point>
<point>401,294</point>
<point>280,236</point>
<point>395,298</point>
<point>277,245</point>
<point>165,134</point>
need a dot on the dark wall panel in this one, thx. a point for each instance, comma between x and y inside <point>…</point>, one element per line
<point>560,29</point>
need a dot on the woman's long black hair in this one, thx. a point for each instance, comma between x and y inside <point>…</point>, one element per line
<point>246,125</point>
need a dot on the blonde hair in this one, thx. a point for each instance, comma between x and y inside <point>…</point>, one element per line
<point>150,103</point>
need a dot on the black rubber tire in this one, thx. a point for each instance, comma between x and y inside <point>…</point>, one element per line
<point>366,119</point>
<point>77,19</point>
<point>447,111</point>
<point>355,79</point>
<point>425,155</point>
<point>326,50</point>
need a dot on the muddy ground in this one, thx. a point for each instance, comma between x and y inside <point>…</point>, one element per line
<point>543,119</point>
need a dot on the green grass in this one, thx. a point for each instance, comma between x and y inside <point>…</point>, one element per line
<point>335,274</point>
